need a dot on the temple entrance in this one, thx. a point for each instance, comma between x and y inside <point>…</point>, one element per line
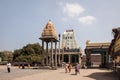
<point>74,58</point>
<point>96,60</point>
<point>97,54</point>
<point>66,58</point>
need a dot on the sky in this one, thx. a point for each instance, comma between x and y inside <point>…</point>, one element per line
<point>22,21</point>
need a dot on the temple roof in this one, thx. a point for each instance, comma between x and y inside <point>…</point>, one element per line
<point>97,45</point>
<point>49,32</point>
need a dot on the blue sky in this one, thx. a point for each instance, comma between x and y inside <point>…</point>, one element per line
<point>22,21</point>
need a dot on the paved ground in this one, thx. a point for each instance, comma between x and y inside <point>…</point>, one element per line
<point>38,74</point>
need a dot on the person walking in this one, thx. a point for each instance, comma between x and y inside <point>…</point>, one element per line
<point>85,67</point>
<point>69,67</point>
<point>77,67</point>
<point>66,67</point>
<point>8,67</point>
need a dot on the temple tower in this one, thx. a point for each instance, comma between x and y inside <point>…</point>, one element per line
<point>71,52</point>
<point>68,40</point>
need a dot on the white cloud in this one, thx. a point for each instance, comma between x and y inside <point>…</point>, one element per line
<point>64,19</point>
<point>87,19</point>
<point>73,9</point>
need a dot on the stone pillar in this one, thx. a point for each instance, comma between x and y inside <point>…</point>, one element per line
<point>59,54</point>
<point>79,58</point>
<point>51,54</point>
<point>56,54</point>
<point>42,53</point>
<point>88,59</point>
<point>47,53</point>
<point>49,58</point>
<point>107,56</point>
<point>69,57</point>
<point>63,55</point>
<point>59,60</point>
<point>102,59</point>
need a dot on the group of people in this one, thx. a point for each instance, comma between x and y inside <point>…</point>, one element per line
<point>68,68</point>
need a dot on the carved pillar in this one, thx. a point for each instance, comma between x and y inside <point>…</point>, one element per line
<point>59,54</point>
<point>88,58</point>
<point>63,55</point>
<point>107,57</point>
<point>79,58</point>
<point>42,52</point>
<point>103,59</point>
<point>55,54</point>
<point>51,54</point>
<point>69,57</point>
<point>49,58</point>
<point>47,53</point>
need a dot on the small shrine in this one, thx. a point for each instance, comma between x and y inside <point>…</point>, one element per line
<point>49,36</point>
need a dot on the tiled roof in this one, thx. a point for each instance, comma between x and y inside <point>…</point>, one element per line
<point>98,44</point>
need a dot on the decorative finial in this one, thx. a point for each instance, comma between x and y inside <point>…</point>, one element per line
<point>87,42</point>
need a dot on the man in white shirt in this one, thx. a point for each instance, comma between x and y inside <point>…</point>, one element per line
<point>8,67</point>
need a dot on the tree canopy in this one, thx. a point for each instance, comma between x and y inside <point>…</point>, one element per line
<point>29,53</point>
<point>6,55</point>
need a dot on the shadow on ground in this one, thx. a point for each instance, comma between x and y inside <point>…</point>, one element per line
<point>103,76</point>
<point>72,74</point>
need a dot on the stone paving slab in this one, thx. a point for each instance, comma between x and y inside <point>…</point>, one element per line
<point>90,74</point>
<point>38,74</point>
<point>17,73</point>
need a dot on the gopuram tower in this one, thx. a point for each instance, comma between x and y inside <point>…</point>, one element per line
<point>68,40</point>
<point>71,52</point>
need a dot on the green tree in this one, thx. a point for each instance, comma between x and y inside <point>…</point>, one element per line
<point>6,55</point>
<point>16,53</point>
<point>29,53</point>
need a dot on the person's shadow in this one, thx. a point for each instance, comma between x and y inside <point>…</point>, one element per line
<point>72,74</point>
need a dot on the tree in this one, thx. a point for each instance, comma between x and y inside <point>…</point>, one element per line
<point>6,55</point>
<point>16,53</point>
<point>29,53</point>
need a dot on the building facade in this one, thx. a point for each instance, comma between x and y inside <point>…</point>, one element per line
<point>97,48</point>
<point>71,53</point>
<point>114,49</point>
